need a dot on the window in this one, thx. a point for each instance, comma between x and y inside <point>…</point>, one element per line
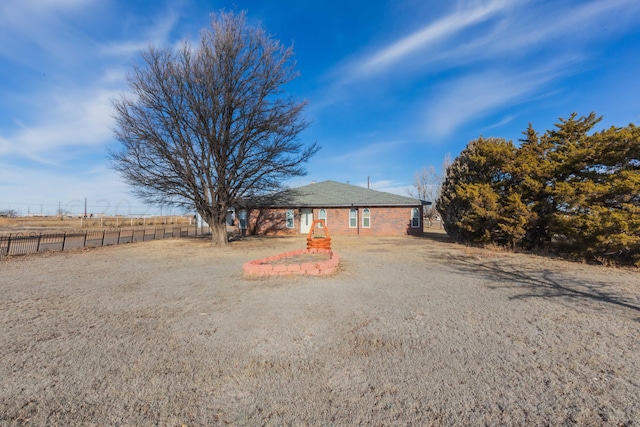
<point>242,219</point>
<point>322,214</point>
<point>415,217</point>
<point>366,218</point>
<point>353,218</point>
<point>290,218</point>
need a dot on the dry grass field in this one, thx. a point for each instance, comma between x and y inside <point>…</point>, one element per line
<point>410,331</point>
<point>59,224</point>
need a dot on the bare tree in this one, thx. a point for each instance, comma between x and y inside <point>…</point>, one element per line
<point>8,213</point>
<point>427,183</point>
<point>209,126</point>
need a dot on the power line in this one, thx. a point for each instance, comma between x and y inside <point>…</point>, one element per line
<point>76,203</point>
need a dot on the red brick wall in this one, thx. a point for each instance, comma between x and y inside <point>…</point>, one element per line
<point>272,221</point>
<point>385,221</point>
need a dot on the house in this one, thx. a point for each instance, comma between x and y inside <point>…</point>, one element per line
<point>347,210</point>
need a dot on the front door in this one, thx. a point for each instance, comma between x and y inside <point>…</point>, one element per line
<point>306,219</point>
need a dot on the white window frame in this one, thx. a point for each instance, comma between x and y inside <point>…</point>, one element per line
<point>366,215</point>
<point>415,214</point>
<point>242,219</point>
<point>290,219</point>
<point>322,214</point>
<point>353,219</point>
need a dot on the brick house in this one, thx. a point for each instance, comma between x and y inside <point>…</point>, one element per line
<point>347,210</point>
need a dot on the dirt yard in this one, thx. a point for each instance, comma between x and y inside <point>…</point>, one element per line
<point>410,331</point>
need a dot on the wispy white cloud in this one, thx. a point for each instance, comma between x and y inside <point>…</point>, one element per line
<point>49,189</point>
<point>367,153</point>
<point>531,29</point>
<point>387,185</point>
<point>502,122</point>
<point>500,53</point>
<point>124,48</point>
<point>530,72</point>
<point>473,96</point>
<point>438,74</point>
<point>42,27</point>
<point>583,15</point>
<point>82,120</point>
<point>68,107</point>
<point>57,120</point>
<point>156,35</point>
<point>512,31</point>
<point>430,34</point>
<point>378,160</point>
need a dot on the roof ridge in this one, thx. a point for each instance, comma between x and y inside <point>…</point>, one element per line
<point>333,193</point>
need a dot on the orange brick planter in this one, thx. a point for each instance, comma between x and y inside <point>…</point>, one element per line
<point>265,266</point>
<point>322,241</point>
<point>319,243</point>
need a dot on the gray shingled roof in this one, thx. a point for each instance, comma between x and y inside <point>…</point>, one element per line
<point>335,194</point>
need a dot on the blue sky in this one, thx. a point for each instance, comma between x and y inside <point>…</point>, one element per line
<point>392,86</point>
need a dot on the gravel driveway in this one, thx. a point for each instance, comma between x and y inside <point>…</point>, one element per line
<point>410,331</point>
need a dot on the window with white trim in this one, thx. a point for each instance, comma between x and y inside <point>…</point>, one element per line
<point>322,214</point>
<point>415,218</point>
<point>290,216</point>
<point>366,218</point>
<point>242,219</point>
<point>353,218</point>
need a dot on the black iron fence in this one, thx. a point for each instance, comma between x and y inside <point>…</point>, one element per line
<point>29,243</point>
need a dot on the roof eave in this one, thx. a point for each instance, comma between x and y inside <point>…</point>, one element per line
<point>351,205</point>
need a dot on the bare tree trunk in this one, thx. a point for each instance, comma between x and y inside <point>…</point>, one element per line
<point>219,234</point>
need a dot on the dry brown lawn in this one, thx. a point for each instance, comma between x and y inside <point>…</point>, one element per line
<point>410,331</point>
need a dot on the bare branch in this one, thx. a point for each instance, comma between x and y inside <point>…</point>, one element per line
<point>207,126</point>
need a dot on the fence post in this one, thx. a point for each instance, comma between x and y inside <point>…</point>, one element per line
<point>38,245</point>
<point>84,244</point>
<point>64,239</point>
<point>119,233</point>
<point>103,232</point>
<point>9,245</point>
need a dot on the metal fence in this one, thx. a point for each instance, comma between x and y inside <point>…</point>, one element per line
<point>29,243</point>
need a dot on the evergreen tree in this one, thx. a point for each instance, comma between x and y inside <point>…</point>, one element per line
<point>599,201</point>
<point>477,202</point>
<point>568,190</point>
<point>531,172</point>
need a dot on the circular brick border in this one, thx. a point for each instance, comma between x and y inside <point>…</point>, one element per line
<point>264,266</point>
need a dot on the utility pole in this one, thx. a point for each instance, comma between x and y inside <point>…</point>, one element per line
<point>85,207</point>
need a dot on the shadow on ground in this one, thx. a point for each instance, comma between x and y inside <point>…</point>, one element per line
<point>438,236</point>
<point>545,283</point>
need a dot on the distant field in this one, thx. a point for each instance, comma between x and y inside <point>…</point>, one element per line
<point>59,223</point>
